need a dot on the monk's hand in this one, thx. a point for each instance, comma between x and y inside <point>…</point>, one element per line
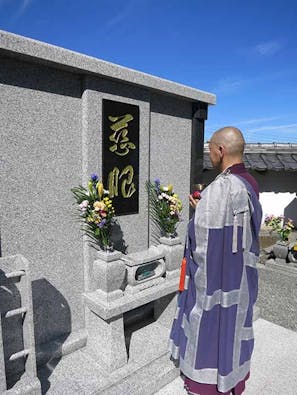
<point>193,202</point>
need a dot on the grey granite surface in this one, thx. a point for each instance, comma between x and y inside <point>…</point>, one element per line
<point>173,254</point>
<point>95,90</point>
<point>170,152</point>
<point>137,258</point>
<point>165,309</point>
<point>277,296</point>
<point>107,310</point>
<point>106,341</point>
<point>41,156</point>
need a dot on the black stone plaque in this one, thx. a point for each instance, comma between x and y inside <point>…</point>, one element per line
<point>120,155</point>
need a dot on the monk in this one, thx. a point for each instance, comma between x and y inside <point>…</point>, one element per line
<point>212,333</point>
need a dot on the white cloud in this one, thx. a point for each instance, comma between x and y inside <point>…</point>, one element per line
<point>229,85</point>
<point>274,127</point>
<point>127,10</point>
<point>257,120</point>
<point>21,9</point>
<point>268,48</point>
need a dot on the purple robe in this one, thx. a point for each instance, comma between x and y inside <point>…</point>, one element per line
<point>212,333</point>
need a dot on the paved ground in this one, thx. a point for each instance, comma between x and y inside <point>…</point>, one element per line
<point>274,363</point>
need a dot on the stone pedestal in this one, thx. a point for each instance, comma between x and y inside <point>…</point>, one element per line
<point>144,269</point>
<point>106,341</point>
<point>107,326</point>
<point>173,252</point>
<point>129,333</point>
<point>109,274</point>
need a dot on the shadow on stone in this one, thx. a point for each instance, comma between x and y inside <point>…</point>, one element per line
<point>40,78</point>
<point>117,238</point>
<point>52,319</point>
<point>136,319</point>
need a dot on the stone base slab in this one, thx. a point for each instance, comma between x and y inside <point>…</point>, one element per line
<point>107,310</point>
<point>146,380</point>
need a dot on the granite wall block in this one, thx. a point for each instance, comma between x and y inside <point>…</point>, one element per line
<point>133,228</point>
<point>40,118</point>
<point>170,149</point>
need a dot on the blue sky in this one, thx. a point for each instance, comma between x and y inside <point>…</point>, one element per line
<point>243,51</point>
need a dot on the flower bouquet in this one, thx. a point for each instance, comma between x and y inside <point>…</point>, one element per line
<point>165,207</point>
<point>285,231</point>
<point>278,224</point>
<point>273,222</point>
<point>96,211</point>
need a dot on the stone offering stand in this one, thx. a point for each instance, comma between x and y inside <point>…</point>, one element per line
<point>128,328</point>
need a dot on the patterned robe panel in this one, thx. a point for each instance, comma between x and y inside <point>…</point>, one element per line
<point>212,333</point>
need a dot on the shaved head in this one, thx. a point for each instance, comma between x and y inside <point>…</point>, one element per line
<point>231,139</point>
<point>226,147</point>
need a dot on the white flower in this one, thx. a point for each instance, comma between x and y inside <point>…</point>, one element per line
<point>165,189</point>
<point>105,192</point>
<point>160,197</point>
<point>171,212</point>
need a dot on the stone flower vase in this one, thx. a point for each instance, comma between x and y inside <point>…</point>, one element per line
<point>109,273</point>
<point>281,249</point>
<point>173,250</point>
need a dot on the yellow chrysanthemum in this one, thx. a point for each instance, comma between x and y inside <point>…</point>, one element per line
<point>170,188</point>
<point>99,206</point>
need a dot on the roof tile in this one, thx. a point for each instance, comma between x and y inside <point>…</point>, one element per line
<point>262,157</point>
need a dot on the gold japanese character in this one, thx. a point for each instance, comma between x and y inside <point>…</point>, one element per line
<point>120,137</point>
<point>127,184</point>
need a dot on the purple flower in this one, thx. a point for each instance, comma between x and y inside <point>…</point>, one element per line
<point>94,177</point>
<point>102,223</point>
<point>157,184</point>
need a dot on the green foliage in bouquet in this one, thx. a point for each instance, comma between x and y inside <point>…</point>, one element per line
<point>165,206</point>
<point>96,211</point>
<point>285,231</point>
<point>278,224</point>
<point>273,221</point>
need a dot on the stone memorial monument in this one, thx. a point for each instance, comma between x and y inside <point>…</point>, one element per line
<point>101,319</point>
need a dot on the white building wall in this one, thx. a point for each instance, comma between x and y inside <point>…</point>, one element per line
<point>275,202</point>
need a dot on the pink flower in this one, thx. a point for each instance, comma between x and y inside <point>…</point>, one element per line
<point>84,205</point>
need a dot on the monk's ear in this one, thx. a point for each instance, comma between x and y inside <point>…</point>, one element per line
<point>222,150</point>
